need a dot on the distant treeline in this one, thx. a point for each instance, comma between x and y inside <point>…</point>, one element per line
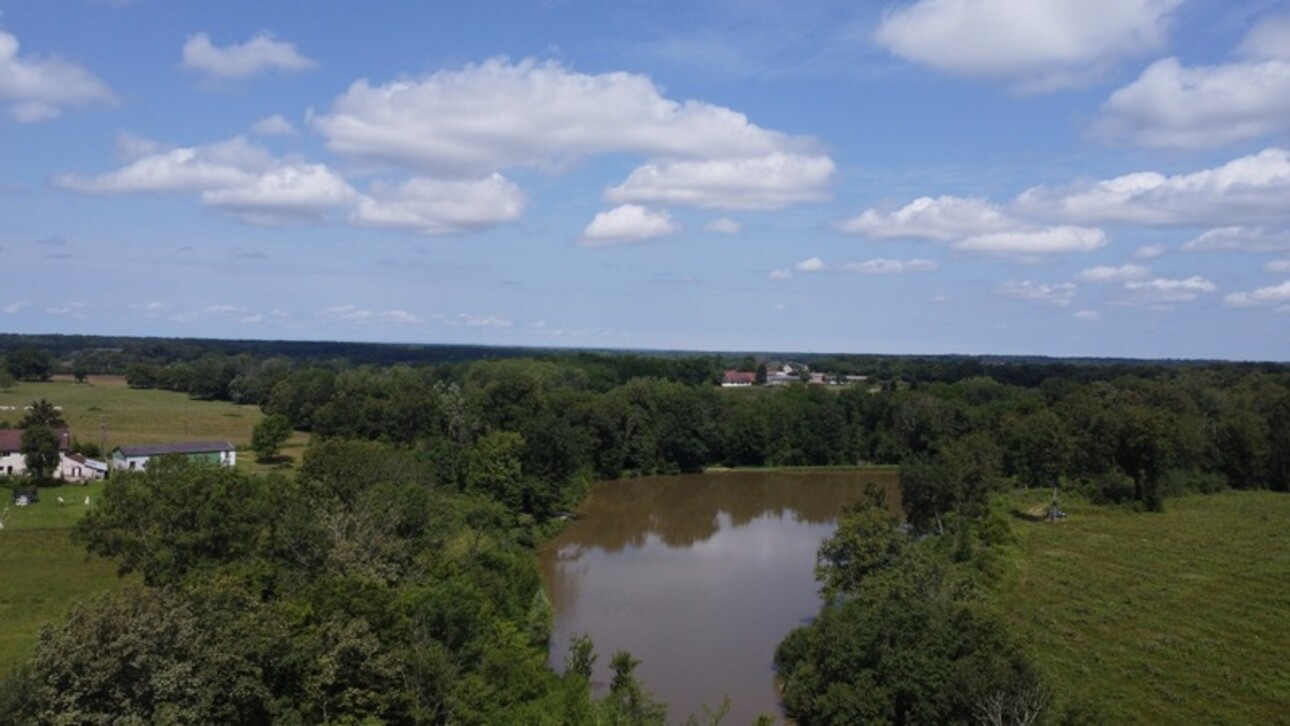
<point>1120,430</point>
<point>1131,438</point>
<point>173,363</point>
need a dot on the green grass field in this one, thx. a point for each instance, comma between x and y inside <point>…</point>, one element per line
<point>106,411</point>
<point>1181,617</point>
<point>41,572</point>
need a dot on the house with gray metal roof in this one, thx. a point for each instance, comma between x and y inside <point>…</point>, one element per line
<point>131,458</point>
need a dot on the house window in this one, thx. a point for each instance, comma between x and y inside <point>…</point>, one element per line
<point>132,466</point>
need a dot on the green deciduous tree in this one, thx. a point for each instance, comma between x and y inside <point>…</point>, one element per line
<point>177,517</point>
<point>867,540</point>
<point>494,468</point>
<point>915,645</point>
<point>269,435</point>
<point>42,413</point>
<point>40,451</point>
<point>30,364</point>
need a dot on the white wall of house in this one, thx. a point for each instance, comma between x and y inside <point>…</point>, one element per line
<point>73,470</point>
<point>139,463</point>
<point>12,463</point>
<point>129,463</point>
<point>15,464</point>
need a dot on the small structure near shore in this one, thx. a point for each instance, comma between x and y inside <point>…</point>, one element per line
<point>133,458</point>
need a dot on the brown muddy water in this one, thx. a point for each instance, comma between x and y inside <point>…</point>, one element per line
<point>699,577</point>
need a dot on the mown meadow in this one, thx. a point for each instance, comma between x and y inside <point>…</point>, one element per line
<point>106,412</point>
<point>1177,617</point>
<point>41,571</point>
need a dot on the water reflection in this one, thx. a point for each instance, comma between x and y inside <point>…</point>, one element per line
<point>699,576</point>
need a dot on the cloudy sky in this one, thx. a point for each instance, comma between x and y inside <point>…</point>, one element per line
<point>1063,177</point>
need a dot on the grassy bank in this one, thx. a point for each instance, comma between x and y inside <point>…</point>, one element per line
<point>1181,617</point>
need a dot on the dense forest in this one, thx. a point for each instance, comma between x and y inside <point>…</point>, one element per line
<point>392,578</point>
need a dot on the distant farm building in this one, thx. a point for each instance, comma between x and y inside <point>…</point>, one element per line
<point>78,467</point>
<point>12,461</point>
<point>738,379</point>
<point>130,458</point>
<point>72,467</point>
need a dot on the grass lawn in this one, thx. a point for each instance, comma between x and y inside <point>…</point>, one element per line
<point>107,411</point>
<point>41,572</point>
<point>1181,617</point>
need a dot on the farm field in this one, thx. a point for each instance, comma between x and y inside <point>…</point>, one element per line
<point>108,412</point>
<point>42,573</point>
<point>1178,617</point>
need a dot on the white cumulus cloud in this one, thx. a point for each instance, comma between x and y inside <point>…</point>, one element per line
<point>1240,239</point>
<point>882,266</point>
<point>241,60</point>
<point>811,264</point>
<point>297,191</point>
<point>498,115</point>
<point>627,223</point>
<point>220,165</point>
<point>1172,105</point>
<point>1034,45</point>
<point>1277,266</point>
<point>1274,295</point>
<point>1247,189</point>
<point>473,320</point>
<point>1033,243</point>
<point>1105,273</point>
<point>1164,290</point>
<point>433,206</point>
<point>723,225</point>
<point>353,313</point>
<point>1058,295</point>
<point>234,175</point>
<point>1269,38</point>
<point>773,181</point>
<point>941,218</point>
<point>39,88</point>
<point>274,125</point>
<point>1151,252</point>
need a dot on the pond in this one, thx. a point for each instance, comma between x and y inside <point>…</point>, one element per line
<point>699,577</point>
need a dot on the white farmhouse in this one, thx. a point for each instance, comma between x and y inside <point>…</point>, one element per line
<point>133,458</point>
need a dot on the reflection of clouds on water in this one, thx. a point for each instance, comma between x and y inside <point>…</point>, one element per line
<point>683,510</point>
<point>699,576</point>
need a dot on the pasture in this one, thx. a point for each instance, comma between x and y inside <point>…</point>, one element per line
<point>1181,617</point>
<point>107,412</point>
<point>41,572</point>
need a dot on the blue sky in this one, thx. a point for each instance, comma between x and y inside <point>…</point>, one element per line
<point>1062,177</point>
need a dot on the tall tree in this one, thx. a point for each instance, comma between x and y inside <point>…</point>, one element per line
<point>494,468</point>
<point>43,413</point>
<point>30,364</point>
<point>40,451</point>
<point>269,435</point>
